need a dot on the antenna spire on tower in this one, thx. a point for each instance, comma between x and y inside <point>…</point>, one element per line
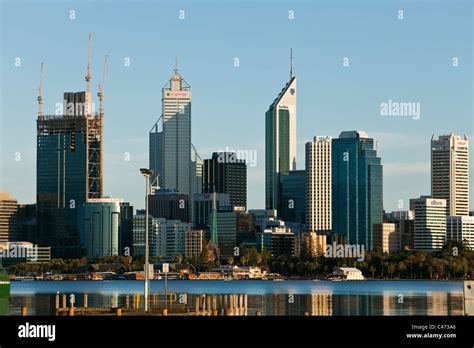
<point>291,63</point>
<point>40,93</point>
<point>176,65</point>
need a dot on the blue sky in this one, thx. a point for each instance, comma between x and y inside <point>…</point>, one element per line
<point>406,60</point>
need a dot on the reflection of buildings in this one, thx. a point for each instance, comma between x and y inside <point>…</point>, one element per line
<point>321,304</point>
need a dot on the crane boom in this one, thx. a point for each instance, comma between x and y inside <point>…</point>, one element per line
<point>102,85</point>
<point>88,72</point>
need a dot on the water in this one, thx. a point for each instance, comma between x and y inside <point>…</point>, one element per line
<point>292,297</point>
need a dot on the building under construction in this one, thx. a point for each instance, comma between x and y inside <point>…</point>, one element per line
<point>69,167</point>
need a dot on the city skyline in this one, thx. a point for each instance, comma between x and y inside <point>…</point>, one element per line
<point>406,170</point>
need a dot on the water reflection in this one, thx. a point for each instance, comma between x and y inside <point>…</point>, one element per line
<point>318,304</point>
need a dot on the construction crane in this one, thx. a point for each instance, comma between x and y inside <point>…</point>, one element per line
<point>102,86</point>
<point>88,73</point>
<point>40,93</point>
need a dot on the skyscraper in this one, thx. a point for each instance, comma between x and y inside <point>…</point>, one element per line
<point>292,196</point>
<point>170,148</point>
<point>450,172</point>
<point>318,184</point>
<point>280,141</point>
<point>225,173</point>
<point>356,187</point>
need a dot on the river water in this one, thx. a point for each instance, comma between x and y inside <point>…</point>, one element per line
<point>290,297</point>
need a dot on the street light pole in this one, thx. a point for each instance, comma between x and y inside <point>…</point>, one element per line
<point>147,174</point>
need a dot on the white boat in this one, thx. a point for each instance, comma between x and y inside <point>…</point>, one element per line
<point>278,280</point>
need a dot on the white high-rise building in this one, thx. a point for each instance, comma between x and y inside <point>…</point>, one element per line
<point>450,172</point>
<point>460,228</point>
<point>430,223</point>
<point>318,184</point>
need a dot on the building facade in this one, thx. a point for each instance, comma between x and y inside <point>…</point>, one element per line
<point>279,241</point>
<point>386,238</point>
<point>8,218</point>
<point>225,173</point>
<point>194,242</point>
<point>460,228</point>
<point>99,223</point>
<point>292,205</point>
<point>169,205</point>
<point>357,200</point>
<point>319,184</point>
<point>450,172</point>
<point>404,226</point>
<point>430,223</point>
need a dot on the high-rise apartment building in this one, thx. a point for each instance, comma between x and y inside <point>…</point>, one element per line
<point>404,227</point>
<point>450,172</point>
<point>169,205</point>
<point>356,187</point>
<point>386,237</point>
<point>319,184</point>
<point>194,242</point>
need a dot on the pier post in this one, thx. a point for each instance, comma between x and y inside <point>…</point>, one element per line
<point>241,304</point>
<point>231,302</point>
<point>127,302</point>
<point>197,304</point>
<point>119,312</point>
<point>203,299</point>
<point>70,311</point>
<point>258,313</point>
<point>246,304</point>
<point>306,314</point>
<point>86,300</point>
<point>57,300</point>
<point>208,305</point>
<point>24,311</point>
<point>468,296</point>
<point>164,312</point>
<point>219,302</point>
<point>214,302</point>
<point>64,301</point>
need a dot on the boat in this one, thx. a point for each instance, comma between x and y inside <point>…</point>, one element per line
<point>278,280</point>
<point>316,280</point>
<point>24,278</point>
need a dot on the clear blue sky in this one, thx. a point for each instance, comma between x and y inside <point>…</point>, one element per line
<point>407,60</point>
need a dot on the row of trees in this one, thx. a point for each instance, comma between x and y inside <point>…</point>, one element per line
<point>455,261</point>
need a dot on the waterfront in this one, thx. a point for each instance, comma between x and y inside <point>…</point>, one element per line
<point>291,297</point>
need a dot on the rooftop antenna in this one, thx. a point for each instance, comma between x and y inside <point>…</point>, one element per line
<point>102,86</point>
<point>291,63</point>
<point>40,93</point>
<point>88,73</point>
<point>176,65</point>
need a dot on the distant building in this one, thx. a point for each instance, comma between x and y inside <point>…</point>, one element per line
<point>99,223</point>
<point>225,173</point>
<point>356,187</point>
<point>171,239</point>
<point>202,208</point>
<point>8,218</point>
<point>386,238</point>
<point>430,223</point>
<point>194,242</point>
<point>245,228</point>
<point>347,273</point>
<point>261,215</point>
<point>27,223</point>
<point>319,184</point>
<point>169,205</point>
<point>277,240</point>
<point>227,233</point>
<point>404,226</point>
<point>460,228</point>
<point>126,229</point>
<point>155,226</point>
<point>314,242</point>
<point>292,206</point>
<point>450,172</point>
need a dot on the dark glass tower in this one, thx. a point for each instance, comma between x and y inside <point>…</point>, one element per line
<point>68,172</point>
<point>356,187</point>
<point>224,173</point>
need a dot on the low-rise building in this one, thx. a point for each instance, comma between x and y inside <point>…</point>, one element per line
<point>347,273</point>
